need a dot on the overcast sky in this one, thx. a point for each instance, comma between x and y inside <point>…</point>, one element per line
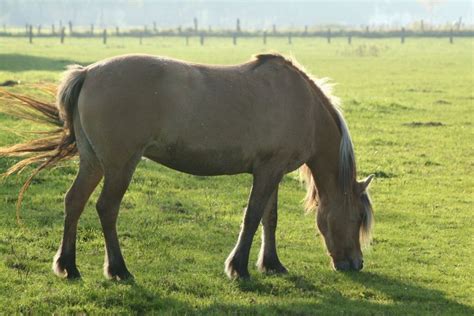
<point>223,14</point>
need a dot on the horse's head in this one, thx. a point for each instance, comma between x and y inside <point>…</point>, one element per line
<point>345,225</point>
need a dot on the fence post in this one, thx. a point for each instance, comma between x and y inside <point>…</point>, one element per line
<point>451,36</point>
<point>459,23</point>
<point>187,40</point>
<point>63,31</point>
<point>195,25</point>
<point>305,30</point>
<point>402,39</point>
<point>349,39</point>
<point>30,33</point>
<point>117,31</point>
<point>39,30</point>
<point>329,36</point>
<point>70,27</point>
<point>92,29</point>
<point>140,38</point>
<point>202,39</point>
<point>234,38</point>
<point>104,37</point>
<point>274,29</point>
<point>237,26</point>
<point>53,31</point>
<point>265,38</point>
<point>289,38</point>
<point>154,27</point>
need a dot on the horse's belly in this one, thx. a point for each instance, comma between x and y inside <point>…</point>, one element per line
<point>203,162</point>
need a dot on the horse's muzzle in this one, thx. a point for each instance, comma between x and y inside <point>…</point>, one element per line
<point>349,265</point>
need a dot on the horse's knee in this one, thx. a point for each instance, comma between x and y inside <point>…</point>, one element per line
<point>70,200</point>
<point>101,206</point>
<point>74,202</point>
<point>108,212</point>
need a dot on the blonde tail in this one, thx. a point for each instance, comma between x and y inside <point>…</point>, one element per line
<point>51,146</point>
<point>311,199</point>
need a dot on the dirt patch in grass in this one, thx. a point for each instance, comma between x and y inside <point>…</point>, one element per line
<point>442,102</point>
<point>9,83</point>
<point>383,175</point>
<point>427,124</point>
<point>426,90</point>
<point>379,174</point>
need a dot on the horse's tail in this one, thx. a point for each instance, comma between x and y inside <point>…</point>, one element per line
<point>311,199</point>
<point>51,146</point>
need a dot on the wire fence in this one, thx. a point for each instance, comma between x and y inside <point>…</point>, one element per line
<point>62,32</point>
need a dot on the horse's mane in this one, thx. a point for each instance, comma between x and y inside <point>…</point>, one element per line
<point>323,89</point>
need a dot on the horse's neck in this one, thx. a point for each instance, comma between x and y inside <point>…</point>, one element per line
<point>325,163</point>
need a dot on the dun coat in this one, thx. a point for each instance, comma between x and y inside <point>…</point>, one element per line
<point>266,117</point>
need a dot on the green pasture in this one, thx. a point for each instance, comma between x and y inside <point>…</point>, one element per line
<point>410,110</point>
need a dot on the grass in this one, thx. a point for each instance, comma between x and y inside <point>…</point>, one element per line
<point>410,111</point>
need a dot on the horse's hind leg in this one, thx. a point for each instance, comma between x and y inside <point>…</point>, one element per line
<point>265,183</point>
<point>116,182</point>
<point>268,260</point>
<point>88,176</point>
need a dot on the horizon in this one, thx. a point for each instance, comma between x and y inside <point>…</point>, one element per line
<point>223,14</point>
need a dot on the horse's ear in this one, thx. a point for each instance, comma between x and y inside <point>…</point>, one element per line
<point>364,184</point>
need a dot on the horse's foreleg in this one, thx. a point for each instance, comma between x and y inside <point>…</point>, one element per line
<point>116,182</point>
<point>89,175</point>
<point>268,260</point>
<point>264,184</point>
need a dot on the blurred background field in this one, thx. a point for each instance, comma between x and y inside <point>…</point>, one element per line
<point>410,110</point>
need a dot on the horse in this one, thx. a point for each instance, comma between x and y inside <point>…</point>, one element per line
<point>266,117</point>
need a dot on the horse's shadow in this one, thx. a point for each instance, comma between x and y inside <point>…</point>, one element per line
<point>21,62</point>
<point>403,297</point>
<point>141,299</point>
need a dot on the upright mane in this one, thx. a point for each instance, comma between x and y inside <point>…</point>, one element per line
<point>323,88</point>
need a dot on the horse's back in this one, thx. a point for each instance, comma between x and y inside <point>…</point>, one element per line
<point>179,113</point>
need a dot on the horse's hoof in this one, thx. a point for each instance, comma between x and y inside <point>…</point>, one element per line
<point>73,274</point>
<point>274,267</point>
<point>124,276</point>
<point>117,274</point>
<point>64,269</point>
<point>234,274</point>
<point>274,270</point>
<point>234,271</point>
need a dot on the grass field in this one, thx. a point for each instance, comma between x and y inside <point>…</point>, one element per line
<point>410,110</point>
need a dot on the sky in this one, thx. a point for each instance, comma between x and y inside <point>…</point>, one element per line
<point>257,14</point>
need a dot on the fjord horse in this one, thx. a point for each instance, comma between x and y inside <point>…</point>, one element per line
<point>266,117</point>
